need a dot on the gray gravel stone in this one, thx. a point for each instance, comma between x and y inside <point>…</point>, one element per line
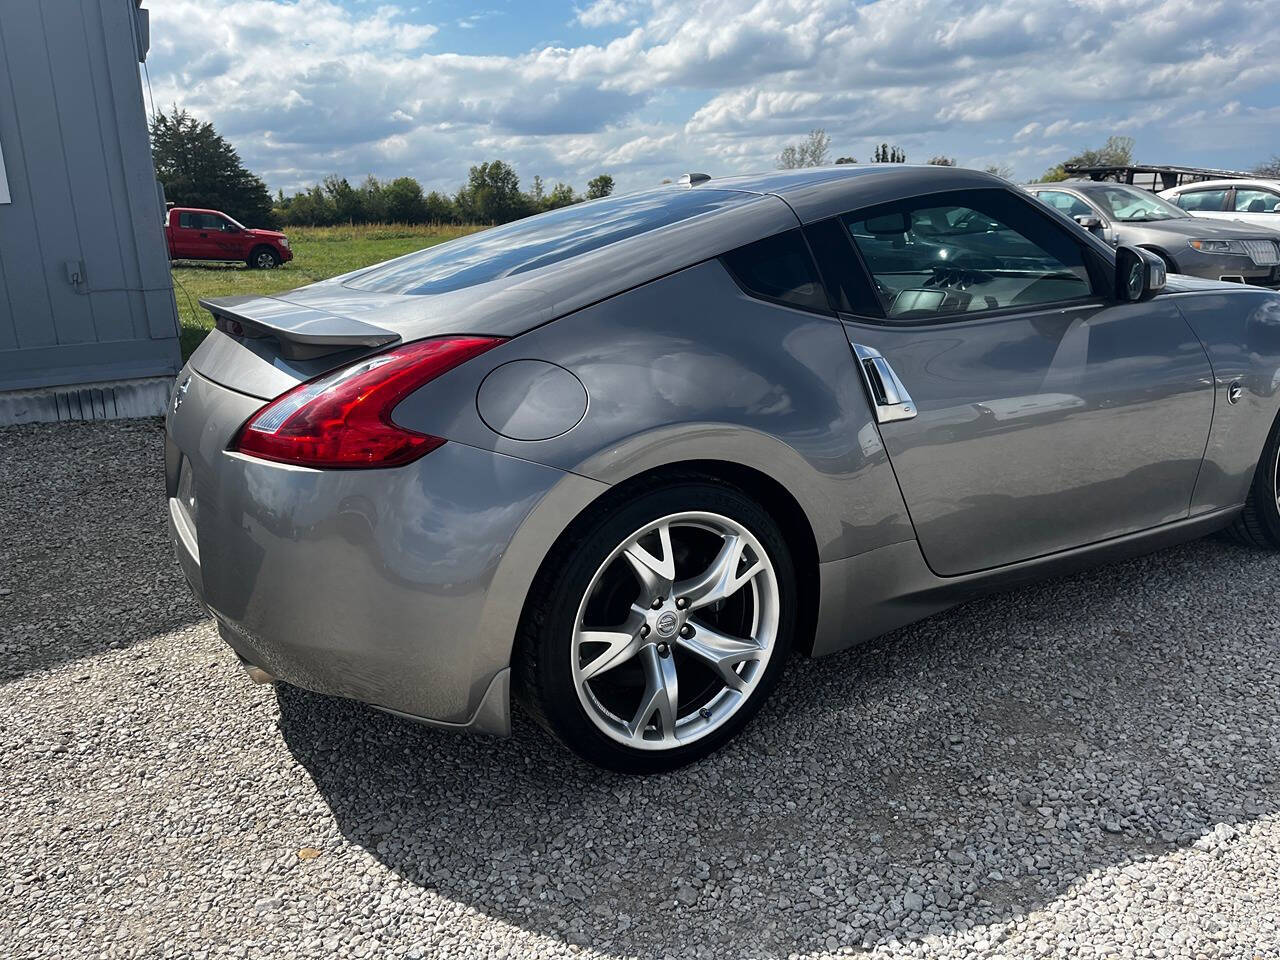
<point>1085,768</point>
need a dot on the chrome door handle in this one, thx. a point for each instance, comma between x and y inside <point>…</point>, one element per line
<point>889,398</point>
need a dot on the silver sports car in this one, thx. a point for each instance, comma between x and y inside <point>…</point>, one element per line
<point>620,460</point>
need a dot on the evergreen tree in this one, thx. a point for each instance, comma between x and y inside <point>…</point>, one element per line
<point>200,169</point>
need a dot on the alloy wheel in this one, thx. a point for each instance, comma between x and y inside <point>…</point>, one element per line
<point>1275,479</point>
<point>675,630</point>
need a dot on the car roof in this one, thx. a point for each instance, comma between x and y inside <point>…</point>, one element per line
<point>786,183</point>
<point>814,193</point>
<point>1084,186</point>
<point>1224,184</point>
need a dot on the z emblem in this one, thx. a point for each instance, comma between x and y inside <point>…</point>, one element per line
<point>180,393</point>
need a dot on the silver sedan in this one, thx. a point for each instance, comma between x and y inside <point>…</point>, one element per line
<point>1226,249</point>
<point>621,460</point>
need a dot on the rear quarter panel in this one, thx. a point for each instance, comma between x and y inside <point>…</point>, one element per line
<point>687,368</point>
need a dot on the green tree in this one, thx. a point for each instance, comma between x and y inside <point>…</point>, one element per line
<point>813,151</point>
<point>889,154</point>
<point>1116,152</point>
<point>404,201</point>
<point>311,208</point>
<point>200,169</point>
<point>492,194</point>
<point>437,208</point>
<point>561,195</point>
<point>840,160</point>
<point>600,186</point>
<point>942,161</point>
<point>348,205</point>
<point>373,201</point>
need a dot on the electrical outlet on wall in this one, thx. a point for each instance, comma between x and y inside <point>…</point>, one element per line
<point>75,272</point>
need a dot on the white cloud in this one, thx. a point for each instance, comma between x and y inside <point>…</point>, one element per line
<point>603,13</point>
<point>308,87</point>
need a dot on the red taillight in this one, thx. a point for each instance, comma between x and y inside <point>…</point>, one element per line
<point>343,419</point>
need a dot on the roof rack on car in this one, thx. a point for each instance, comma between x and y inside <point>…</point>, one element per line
<point>693,179</point>
<point>1161,177</point>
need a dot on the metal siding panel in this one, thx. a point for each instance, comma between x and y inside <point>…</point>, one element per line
<point>32,75</point>
<point>8,322</point>
<point>74,130</point>
<point>89,163</point>
<point>145,225</point>
<point>86,363</point>
<point>29,321</point>
<point>101,33</point>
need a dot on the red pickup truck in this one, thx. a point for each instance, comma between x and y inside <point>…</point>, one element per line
<point>195,234</point>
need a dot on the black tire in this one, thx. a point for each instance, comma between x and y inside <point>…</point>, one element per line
<point>263,258</point>
<point>542,662</point>
<point>1259,523</point>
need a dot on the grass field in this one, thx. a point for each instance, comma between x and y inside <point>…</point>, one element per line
<point>318,253</point>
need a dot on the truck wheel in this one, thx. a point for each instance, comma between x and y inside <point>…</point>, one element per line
<point>263,258</point>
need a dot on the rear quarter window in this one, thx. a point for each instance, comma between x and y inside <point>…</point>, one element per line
<point>540,241</point>
<point>779,269</point>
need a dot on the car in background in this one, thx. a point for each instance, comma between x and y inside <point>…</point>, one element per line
<point>1121,214</point>
<point>196,234</point>
<point>620,459</point>
<point>1252,201</point>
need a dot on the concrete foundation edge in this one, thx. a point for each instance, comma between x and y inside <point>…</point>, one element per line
<point>109,400</point>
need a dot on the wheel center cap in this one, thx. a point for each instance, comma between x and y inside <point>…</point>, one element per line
<point>666,624</point>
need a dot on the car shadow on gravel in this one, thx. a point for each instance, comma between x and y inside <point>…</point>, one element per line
<point>945,778</point>
<point>85,559</point>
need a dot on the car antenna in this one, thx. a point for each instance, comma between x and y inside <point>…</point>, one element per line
<point>693,179</point>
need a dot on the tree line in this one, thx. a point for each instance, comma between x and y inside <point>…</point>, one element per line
<point>491,194</point>
<point>199,168</point>
<point>815,151</point>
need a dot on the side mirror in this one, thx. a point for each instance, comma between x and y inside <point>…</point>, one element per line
<point>1089,222</point>
<point>231,228</point>
<point>1140,274</point>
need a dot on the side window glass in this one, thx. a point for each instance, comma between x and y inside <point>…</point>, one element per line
<point>1255,201</point>
<point>845,280</point>
<point>779,268</point>
<point>1203,199</point>
<point>1067,203</point>
<point>186,221</point>
<point>958,253</point>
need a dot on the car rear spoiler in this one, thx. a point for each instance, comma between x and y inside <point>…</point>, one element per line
<point>301,331</point>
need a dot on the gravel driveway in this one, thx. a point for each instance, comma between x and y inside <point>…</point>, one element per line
<point>1085,768</point>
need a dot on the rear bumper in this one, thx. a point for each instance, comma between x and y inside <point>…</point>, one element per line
<point>401,588</point>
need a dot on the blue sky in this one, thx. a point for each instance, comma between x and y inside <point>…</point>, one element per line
<point>647,89</point>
